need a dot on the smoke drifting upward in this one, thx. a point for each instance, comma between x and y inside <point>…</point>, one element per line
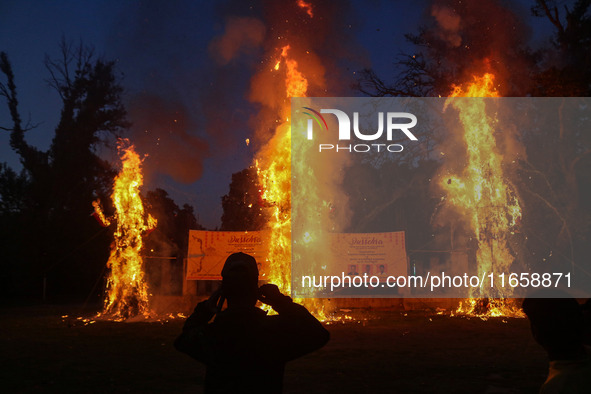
<point>162,130</point>
<point>320,37</point>
<point>449,22</point>
<point>241,35</point>
<point>199,90</point>
<point>160,66</point>
<point>169,67</point>
<point>463,37</point>
<point>462,40</point>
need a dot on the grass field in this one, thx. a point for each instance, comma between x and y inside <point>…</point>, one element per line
<point>385,352</point>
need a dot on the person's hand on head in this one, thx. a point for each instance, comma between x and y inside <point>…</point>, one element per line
<point>270,295</point>
<point>212,305</point>
<point>216,300</point>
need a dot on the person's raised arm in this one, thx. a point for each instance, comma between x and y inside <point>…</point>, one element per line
<point>302,332</point>
<point>191,340</point>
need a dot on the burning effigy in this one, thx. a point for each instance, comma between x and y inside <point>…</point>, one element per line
<point>482,196</point>
<point>126,289</point>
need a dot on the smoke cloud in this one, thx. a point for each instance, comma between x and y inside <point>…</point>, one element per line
<point>449,23</point>
<point>324,46</point>
<point>160,67</point>
<point>161,130</point>
<point>197,94</point>
<point>241,35</point>
<point>488,35</point>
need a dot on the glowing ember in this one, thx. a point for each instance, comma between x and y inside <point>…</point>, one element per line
<point>483,196</point>
<point>127,293</point>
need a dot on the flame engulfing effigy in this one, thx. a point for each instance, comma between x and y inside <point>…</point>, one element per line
<point>481,194</point>
<point>294,70</point>
<point>127,292</point>
<point>273,165</point>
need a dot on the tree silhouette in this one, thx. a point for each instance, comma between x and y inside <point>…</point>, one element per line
<point>243,205</point>
<point>50,199</point>
<point>173,225</point>
<point>566,67</point>
<point>168,244</point>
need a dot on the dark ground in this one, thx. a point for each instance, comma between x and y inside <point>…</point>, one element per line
<point>389,353</point>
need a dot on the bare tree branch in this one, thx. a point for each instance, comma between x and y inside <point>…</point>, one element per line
<point>552,15</point>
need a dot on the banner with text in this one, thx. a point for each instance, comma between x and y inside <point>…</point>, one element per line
<point>208,250</point>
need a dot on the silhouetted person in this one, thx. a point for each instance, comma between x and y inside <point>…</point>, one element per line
<point>245,350</point>
<point>557,325</point>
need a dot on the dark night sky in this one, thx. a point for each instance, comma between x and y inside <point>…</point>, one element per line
<point>162,50</point>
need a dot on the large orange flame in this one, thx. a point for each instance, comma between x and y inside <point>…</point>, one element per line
<point>127,293</point>
<point>273,163</point>
<point>483,196</point>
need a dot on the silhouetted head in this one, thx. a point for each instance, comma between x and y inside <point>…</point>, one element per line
<point>240,279</point>
<point>556,323</point>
